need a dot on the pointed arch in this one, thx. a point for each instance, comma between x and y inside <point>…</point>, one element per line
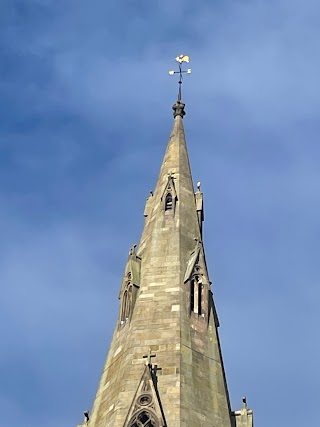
<point>196,278</point>
<point>169,195</point>
<point>197,297</point>
<point>129,287</point>
<point>146,408</point>
<point>127,304</point>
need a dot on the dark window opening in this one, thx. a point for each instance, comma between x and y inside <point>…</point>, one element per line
<point>192,295</point>
<point>199,298</point>
<point>169,203</point>
<point>144,419</point>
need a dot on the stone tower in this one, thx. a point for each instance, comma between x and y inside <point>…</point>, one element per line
<point>164,366</point>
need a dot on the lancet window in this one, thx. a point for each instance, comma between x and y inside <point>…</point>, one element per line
<point>196,293</point>
<point>192,295</point>
<point>169,196</point>
<point>127,301</point>
<point>199,298</point>
<point>168,202</point>
<point>124,307</point>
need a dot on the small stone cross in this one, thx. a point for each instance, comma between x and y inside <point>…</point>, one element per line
<point>149,357</point>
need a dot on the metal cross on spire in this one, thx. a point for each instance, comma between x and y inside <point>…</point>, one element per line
<point>180,59</point>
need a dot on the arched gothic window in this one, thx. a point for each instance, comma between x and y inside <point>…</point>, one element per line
<point>168,203</point>
<point>127,303</point>
<point>144,419</point>
<point>124,307</point>
<point>196,295</point>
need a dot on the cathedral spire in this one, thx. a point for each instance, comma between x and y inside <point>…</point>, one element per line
<point>166,310</point>
<point>173,199</point>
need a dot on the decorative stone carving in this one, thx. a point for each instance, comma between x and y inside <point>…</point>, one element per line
<point>196,277</point>
<point>130,286</point>
<point>178,109</point>
<point>144,419</point>
<point>169,196</point>
<point>146,409</point>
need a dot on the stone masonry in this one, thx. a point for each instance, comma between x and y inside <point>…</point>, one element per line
<point>167,308</point>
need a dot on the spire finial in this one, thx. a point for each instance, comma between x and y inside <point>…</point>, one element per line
<point>179,105</point>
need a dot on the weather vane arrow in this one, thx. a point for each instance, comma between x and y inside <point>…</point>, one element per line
<point>180,59</point>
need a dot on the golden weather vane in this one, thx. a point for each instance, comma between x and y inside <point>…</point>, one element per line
<point>180,59</point>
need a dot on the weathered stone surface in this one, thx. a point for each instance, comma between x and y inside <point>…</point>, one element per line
<point>191,384</point>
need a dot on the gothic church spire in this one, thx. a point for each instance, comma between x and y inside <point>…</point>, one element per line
<point>166,310</point>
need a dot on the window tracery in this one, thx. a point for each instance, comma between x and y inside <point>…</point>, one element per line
<point>144,419</point>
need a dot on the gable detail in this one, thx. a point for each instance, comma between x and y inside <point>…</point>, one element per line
<point>146,409</point>
<point>197,264</point>
<point>169,195</point>
<point>196,278</point>
<point>192,261</point>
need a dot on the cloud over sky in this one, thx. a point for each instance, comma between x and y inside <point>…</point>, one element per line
<point>85,102</point>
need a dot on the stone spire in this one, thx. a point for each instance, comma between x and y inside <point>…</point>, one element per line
<point>166,312</point>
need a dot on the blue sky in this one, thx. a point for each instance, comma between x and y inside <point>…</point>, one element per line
<point>85,103</point>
